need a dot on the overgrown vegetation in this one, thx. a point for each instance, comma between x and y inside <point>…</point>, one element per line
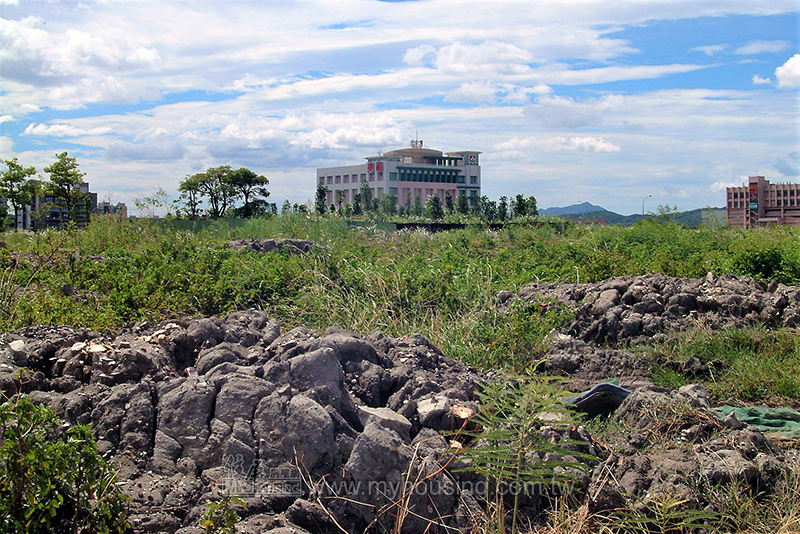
<point>52,477</point>
<point>751,364</point>
<point>116,272</point>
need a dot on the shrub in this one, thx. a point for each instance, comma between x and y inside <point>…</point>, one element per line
<point>52,478</point>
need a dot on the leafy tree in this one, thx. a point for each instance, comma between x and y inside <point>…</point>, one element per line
<point>320,199</point>
<point>502,209</point>
<point>149,205</point>
<point>462,204</point>
<point>531,207</point>
<point>246,183</point>
<point>408,203</point>
<point>389,204</point>
<point>215,184</point>
<point>417,206</point>
<point>65,182</point>
<point>339,198</point>
<point>357,204</point>
<point>433,209</point>
<point>488,209</point>
<point>448,202</point>
<point>52,480</point>
<point>286,208</point>
<point>14,185</point>
<point>520,206</point>
<point>366,196</point>
<point>191,195</point>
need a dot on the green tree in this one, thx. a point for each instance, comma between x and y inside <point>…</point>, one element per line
<point>448,202</point>
<point>520,206</point>
<point>339,197</point>
<point>215,184</point>
<point>366,196</point>
<point>433,208</point>
<point>320,199</point>
<point>357,204</point>
<point>389,204</point>
<point>149,205</point>
<point>246,183</point>
<point>462,204</point>
<point>286,208</point>
<point>502,209</point>
<point>65,182</point>
<point>52,480</point>
<point>14,185</point>
<point>191,195</point>
<point>531,206</point>
<point>417,206</point>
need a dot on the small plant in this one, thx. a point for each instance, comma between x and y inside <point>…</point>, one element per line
<point>220,517</point>
<point>665,514</point>
<point>52,477</point>
<point>510,448</point>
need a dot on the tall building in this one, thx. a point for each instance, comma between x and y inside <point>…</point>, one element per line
<point>760,203</point>
<point>406,173</point>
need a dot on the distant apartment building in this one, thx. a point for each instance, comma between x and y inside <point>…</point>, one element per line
<point>49,212</point>
<point>408,174</point>
<point>760,203</point>
<point>105,208</point>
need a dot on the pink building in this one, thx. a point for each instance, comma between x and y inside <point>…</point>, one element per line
<point>760,203</point>
<point>406,173</point>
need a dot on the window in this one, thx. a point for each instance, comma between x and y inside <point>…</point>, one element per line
<point>380,176</point>
<point>473,179</point>
<point>330,179</point>
<point>393,191</point>
<point>392,176</point>
<point>347,178</point>
<point>338,178</point>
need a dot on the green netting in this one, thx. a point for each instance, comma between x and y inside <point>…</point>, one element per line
<point>783,423</point>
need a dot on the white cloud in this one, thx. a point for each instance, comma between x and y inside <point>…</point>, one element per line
<point>420,55</point>
<point>489,57</point>
<point>788,74</point>
<point>719,187</point>
<point>62,130</point>
<point>710,50</point>
<point>472,92</point>
<point>6,118</point>
<point>758,80</point>
<point>761,47</point>
<point>563,112</point>
<point>515,145</point>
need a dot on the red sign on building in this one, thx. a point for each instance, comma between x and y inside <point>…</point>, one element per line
<point>370,167</point>
<point>379,166</point>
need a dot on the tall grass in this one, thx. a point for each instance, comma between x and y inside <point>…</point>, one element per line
<point>443,285</point>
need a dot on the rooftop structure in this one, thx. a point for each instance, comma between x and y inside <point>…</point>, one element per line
<point>408,174</point>
<point>760,203</point>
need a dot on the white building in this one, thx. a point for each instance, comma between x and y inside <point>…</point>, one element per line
<point>406,173</point>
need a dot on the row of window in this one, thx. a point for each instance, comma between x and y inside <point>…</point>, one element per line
<point>785,203</point>
<point>735,195</point>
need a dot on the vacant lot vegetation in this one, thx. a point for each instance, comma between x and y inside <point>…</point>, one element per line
<point>115,272</point>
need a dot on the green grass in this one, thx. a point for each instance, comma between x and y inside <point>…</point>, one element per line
<point>753,364</point>
<point>442,285</point>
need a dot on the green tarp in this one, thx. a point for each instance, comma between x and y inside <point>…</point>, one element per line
<point>782,423</point>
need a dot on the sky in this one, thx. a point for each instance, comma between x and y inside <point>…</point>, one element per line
<point>618,103</point>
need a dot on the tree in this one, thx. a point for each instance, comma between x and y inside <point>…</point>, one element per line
<point>65,182</point>
<point>389,204</point>
<point>246,183</point>
<point>320,199</point>
<point>502,209</point>
<point>190,195</point>
<point>433,209</point>
<point>366,196</point>
<point>520,206</point>
<point>15,187</point>
<point>448,202</point>
<point>462,204</point>
<point>149,205</point>
<point>417,206</point>
<point>215,184</point>
<point>286,208</point>
<point>532,209</point>
<point>357,204</point>
<point>339,197</point>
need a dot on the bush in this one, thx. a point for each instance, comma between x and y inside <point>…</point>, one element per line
<point>52,478</point>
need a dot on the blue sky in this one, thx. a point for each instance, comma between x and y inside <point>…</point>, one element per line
<point>570,101</point>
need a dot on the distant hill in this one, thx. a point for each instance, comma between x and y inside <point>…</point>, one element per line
<point>575,209</point>
<point>691,218</point>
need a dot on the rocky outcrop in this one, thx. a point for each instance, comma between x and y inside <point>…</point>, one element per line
<point>631,309</point>
<point>323,432</point>
<point>300,424</point>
